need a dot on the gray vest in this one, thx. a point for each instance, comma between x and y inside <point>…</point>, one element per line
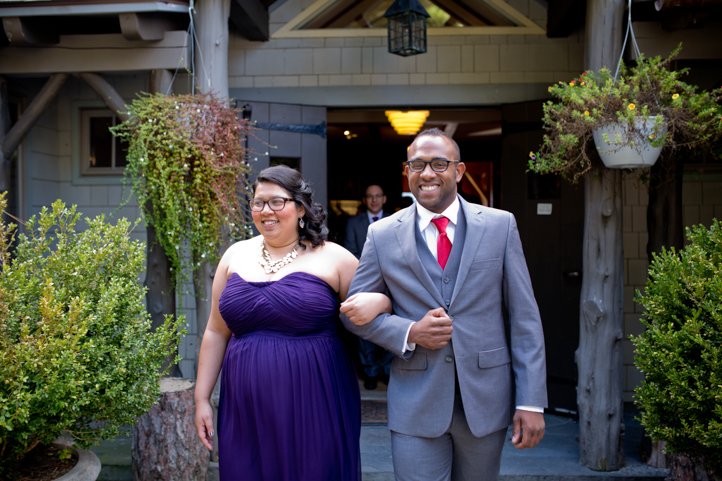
<point>446,279</point>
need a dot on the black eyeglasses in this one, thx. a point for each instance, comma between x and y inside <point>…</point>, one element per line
<point>437,165</point>
<point>275,204</point>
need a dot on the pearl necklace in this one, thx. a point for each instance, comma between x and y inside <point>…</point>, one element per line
<point>269,265</point>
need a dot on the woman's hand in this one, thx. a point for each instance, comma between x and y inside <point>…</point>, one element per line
<point>363,307</point>
<point>204,423</point>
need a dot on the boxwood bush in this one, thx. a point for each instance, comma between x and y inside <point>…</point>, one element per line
<point>680,352</point>
<point>77,352</point>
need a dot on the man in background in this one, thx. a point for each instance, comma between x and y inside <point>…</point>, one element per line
<point>375,361</point>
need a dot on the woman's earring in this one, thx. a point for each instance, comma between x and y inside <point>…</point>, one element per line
<point>301,223</point>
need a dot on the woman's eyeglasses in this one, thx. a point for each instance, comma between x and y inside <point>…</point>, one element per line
<point>275,204</point>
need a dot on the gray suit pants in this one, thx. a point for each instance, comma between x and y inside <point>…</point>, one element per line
<point>457,455</point>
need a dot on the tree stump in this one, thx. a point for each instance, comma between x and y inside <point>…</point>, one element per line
<point>165,444</point>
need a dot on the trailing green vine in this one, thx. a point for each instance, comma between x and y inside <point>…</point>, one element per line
<point>187,170</point>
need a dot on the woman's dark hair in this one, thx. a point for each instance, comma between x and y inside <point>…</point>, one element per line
<point>314,229</point>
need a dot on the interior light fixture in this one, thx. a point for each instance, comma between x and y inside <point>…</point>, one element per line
<point>406,27</point>
<point>407,122</point>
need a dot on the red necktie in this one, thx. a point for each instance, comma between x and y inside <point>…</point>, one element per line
<point>443,244</point>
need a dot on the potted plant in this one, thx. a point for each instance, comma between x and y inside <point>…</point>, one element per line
<point>680,354</point>
<point>187,168</point>
<point>645,105</point>
<point>78,355</point>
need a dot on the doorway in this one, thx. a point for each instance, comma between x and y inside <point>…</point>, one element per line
<point>364,149</point>
<point>494,142</point>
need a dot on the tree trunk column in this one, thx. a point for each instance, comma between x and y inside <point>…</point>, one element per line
<point>601,330</point>
<point>601,311</point>
<point>165,444</point>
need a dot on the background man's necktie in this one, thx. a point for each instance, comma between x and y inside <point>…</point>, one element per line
<point>374,218</point>
<point>443,244</point>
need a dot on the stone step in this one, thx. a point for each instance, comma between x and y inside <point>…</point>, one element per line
<point>555,459</point>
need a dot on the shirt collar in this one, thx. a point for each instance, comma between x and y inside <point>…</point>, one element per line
<point>371,216</point>
<point>424,215</point>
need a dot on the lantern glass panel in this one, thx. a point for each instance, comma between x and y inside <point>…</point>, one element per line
<point>407,34</point>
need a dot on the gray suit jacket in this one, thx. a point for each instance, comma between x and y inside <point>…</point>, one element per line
<point>497,347</point>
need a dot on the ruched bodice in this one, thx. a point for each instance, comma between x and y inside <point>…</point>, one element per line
<point>289,408</point>
<point>279,305</point>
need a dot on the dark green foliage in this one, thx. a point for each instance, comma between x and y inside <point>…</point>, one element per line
<point>680,353</point>
<point>77,353</point>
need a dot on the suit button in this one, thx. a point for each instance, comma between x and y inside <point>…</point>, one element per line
<point>448,359</point>
<point>446,280</point>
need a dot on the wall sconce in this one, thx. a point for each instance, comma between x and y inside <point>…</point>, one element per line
<point>407,122</point>
<point>406,27</point>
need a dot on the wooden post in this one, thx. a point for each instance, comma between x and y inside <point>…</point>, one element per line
<point>165,445</point>
<point>4,126</point>
<point>211,74</point>
<point>601,330</point>
<point>211,65</point>
<point>106,92</point>
<point>160,298</point>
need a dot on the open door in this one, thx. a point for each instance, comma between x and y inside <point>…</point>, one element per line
<point>550,215</point>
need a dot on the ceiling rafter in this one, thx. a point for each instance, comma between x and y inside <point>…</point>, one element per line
<point>506,20</point>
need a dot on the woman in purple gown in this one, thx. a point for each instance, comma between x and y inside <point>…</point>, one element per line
<point>289,406</point>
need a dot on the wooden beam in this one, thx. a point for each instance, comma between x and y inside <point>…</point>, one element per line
<point>97,53</point>
<point>161,81</point>
<point>340,14</point>
<point>251,19</point>
<point>31,114</point>
<point>106,91</point>
<point>21,31</point>
<point>146,27</point>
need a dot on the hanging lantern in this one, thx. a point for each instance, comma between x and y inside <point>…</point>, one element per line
<point>406,27</point>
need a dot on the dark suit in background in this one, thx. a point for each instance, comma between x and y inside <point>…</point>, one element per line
<point>375,361</point>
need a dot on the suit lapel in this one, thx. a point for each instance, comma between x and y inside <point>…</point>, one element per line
<point>405,230</point>
<point>475,230</point>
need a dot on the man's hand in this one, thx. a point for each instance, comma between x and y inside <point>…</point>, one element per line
<point>433,331</point>
<point>528,429</point>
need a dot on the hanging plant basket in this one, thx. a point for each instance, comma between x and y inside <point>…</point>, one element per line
<point>622,147</point>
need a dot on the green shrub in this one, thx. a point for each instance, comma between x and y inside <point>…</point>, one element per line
<point>77,352</point>
<point>680,352</point>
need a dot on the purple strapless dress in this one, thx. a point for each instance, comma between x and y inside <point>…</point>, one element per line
<point>289,407</point>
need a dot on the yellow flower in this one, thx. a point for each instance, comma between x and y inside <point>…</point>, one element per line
<point>586,113</point>
<point>631,106</point>
<point>675,96</point>
<point>571,84</point>
<point>652,136</point>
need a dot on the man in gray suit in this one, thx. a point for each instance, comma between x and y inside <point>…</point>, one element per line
<point>465,326</point>
<point>375,360</point>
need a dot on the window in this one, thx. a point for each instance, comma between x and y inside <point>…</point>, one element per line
<point>101,153</point>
